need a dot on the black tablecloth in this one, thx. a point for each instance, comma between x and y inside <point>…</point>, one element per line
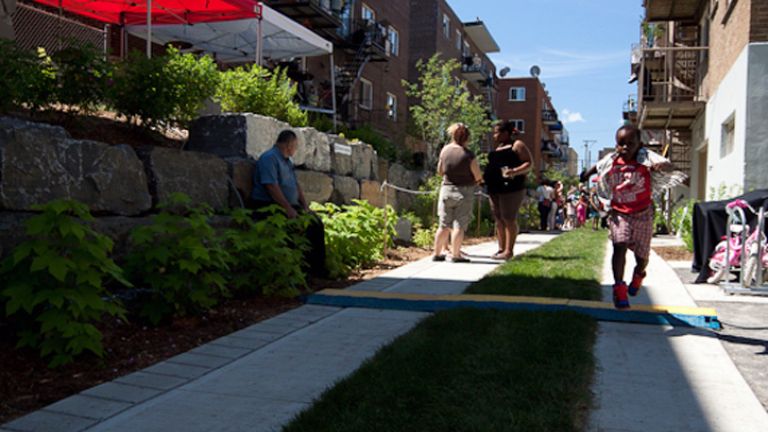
<point>709,219</point>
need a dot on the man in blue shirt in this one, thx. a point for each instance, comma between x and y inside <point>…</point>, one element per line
<point>274,182</point>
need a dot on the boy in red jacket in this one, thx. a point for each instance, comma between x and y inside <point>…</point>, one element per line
<point>625,182</point>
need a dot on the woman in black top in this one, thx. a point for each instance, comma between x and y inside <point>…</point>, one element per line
<point>505,176</point>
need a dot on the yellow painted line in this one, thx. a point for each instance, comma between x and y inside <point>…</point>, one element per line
<point>680,310</point>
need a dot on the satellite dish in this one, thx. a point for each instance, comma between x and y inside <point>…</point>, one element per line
<point>535,71</point>
<point>504,72</point>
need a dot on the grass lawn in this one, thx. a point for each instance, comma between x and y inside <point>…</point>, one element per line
<point>474,370</point>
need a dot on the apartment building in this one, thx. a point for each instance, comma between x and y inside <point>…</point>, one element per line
<point>526,102</point>
<point>703,93</point>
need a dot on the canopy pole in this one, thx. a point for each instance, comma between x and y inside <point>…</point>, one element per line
<point>259,35</point>
<point>333,91</point>
<point>149,28</point>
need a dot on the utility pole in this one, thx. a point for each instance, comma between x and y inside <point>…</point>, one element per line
<point>587,156</point>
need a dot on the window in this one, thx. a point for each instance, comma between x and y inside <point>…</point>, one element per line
<point>519,125</point>
<point>727,139</point>
<point>366,94</point>
<point>458,40</point>
<point>393,42</point>
<point>446,26</point>
<point>368,13</point>
<point>391,107</point>
<point>466,51</point>
<point>517,94</point>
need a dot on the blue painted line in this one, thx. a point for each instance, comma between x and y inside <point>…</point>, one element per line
<point>600,314</point>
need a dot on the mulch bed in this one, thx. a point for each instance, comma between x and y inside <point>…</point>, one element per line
<point>27,384</point>
<point>674,253</point>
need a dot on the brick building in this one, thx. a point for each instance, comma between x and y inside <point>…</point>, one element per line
<point>702,90</point>
<point>526,102</point>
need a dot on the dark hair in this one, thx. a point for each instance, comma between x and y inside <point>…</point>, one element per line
<point>286,136</point>
<point>632,129</point>
<point>507,126</point>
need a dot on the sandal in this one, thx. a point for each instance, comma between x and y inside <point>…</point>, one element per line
<point>460,259</point>
<point>438,258</point>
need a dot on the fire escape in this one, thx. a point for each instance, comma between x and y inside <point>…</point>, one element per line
<point>671,65</point>
<point>362,41</point>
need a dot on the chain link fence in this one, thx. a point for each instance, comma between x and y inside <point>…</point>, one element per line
<point>35,27</point>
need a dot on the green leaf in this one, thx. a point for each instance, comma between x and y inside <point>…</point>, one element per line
<point>58,267</point>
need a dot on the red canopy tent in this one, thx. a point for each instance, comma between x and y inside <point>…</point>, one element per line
<point>128,12</point>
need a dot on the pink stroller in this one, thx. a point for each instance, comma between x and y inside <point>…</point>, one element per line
<point>741,249</point>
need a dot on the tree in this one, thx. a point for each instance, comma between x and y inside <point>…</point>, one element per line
<point>442,101</point>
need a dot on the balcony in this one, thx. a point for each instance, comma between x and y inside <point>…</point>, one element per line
<point>549,116</point>
<point>673,10</point>
<point>314,14</point>
<point>475,70</point>
<point>553,150</point>
<point>369,38</point>
<point>669,82</point>
<point>629,110</point>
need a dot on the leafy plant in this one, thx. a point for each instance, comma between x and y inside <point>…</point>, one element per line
<point>441,102</point>
<point>54,283</point>
<point>425,237</point>
<point>163,90</point>
<point>26,79</point>
<point>82,76</point>
<point>267,256</point>
<point>180,259</point>
<point>682,223</point>
<point>355,235</point>
<point>255,89</point>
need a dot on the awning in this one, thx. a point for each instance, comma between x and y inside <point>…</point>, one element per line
<point>236,41</point>
<point>163,11</point>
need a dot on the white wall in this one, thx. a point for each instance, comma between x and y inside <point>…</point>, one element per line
<point>729,98</point>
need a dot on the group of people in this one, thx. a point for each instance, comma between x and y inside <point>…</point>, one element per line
<point>566,211</point>
<point>504,177</point>
<point>624,185</point>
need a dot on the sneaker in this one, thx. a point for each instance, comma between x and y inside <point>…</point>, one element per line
<point>620,299</point>
<point>637,282</point>
<point>438,258</point>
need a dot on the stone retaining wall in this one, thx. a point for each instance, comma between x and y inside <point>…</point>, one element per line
<point>40,163</point>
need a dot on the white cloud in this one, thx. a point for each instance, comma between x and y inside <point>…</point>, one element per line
<point>572,117</point>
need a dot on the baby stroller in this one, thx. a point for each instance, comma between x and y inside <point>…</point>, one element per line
<point>743,249</point>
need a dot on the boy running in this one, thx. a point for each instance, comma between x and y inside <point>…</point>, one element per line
<point>625,183</point>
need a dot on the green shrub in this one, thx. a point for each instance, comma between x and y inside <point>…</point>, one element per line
<point>255,89</point>
<point>82,76</point>
<point>425,237</point>
<point>529,214</point>
<point>164,89</point>
<point>425,206</point>
<point>54,283</point>
<point>26,79</point>
<point>682,223</point>
<point>180,259</point>
<point>384,147</point>
<point>355,235</point>
<point>267,256</point>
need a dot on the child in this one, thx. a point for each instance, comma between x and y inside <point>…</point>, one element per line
<point>625,183</point>
<point>581,211</point>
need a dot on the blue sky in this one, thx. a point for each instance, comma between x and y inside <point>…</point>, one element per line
<point>582,48</point>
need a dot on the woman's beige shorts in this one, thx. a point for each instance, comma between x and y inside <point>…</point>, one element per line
<point>454,206</point>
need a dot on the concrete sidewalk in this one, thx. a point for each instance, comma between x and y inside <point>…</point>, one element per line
<point>657,378</point>
<point>259,378</point>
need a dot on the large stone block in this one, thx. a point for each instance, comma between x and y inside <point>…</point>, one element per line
<point>341,153</point>
<point>241,173</point>
<point>40,163</point>
<point>370,190</point>
<point>234,134</point>
<point>345,189</point>
<point>201,176</point>
<point>314,152</point>
<point>401,176</point>
<point>362,157</point>
<point>316,186</point>
<point>382,169</point>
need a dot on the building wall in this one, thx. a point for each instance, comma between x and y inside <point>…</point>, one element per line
<point>729,98</point>
<point>759,15</point>
<point>726,42</point>
<point>699,158</point>
<point>528,110</point>
<point>756,144</point>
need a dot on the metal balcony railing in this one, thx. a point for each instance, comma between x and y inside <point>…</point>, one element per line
<point>549,116</point>
<point>672,74</point>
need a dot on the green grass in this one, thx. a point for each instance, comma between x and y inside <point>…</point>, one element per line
<point>481,370</point>
<point>566,267</point>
